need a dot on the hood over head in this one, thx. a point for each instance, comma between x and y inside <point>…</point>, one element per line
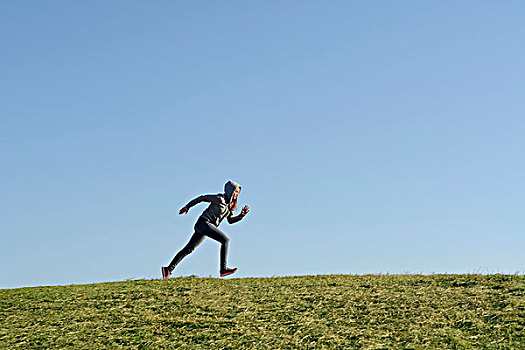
<point>229,188</point>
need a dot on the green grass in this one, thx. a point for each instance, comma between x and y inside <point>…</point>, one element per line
<point>337,311</point>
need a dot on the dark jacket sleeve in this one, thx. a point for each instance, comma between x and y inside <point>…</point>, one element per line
<point>233,219</point>
<point>211,198</point>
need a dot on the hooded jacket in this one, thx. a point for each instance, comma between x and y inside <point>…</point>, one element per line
<point>219,207</point>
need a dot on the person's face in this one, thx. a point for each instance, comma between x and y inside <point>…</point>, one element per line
<point>236,193</point>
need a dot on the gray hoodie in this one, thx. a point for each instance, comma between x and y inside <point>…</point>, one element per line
<point>219,207</point>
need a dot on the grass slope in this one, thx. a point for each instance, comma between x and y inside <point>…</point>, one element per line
<point>337,311</point>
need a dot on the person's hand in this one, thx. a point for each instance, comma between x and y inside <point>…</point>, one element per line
<point>245,210</point>
<point>183,211</point>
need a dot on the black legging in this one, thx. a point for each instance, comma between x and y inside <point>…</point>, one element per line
<point>202,229</point>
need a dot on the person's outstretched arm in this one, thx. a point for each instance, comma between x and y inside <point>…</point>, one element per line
<point>233,219</point>
<point>211,198</point>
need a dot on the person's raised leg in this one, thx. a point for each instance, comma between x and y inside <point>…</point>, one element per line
<point>216,234</point>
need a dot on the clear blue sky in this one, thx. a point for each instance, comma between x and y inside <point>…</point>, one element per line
<point>369,137</point>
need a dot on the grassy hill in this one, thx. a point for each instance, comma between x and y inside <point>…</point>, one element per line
<point>336,311</point>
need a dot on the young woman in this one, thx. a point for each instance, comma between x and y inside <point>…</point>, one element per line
<point>221,206</point>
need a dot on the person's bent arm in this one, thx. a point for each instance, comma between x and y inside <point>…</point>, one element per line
<point>233,219</point>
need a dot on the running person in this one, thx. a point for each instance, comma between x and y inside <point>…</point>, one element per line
<point>221,206</point>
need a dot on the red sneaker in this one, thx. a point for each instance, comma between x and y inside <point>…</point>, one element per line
<point>227,271</point>
<point>166,273</point>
